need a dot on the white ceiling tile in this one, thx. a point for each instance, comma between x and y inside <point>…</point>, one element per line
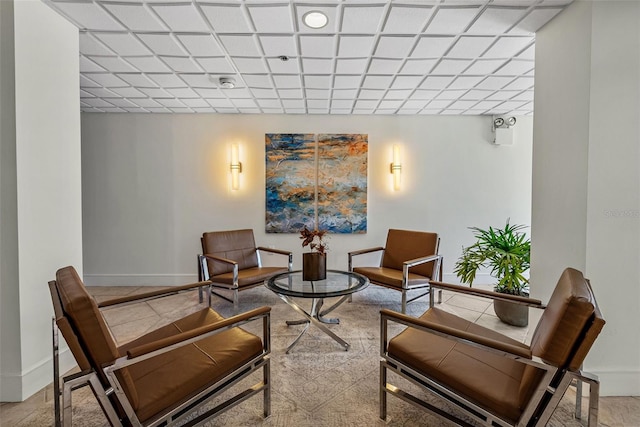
<point>451,20</point>
<point>351,66</point>
<point>384,66</point>
<point>122,103</point>
<point>465,82</point>
<point>114,64</point>
<point>344,93</point>
<point>366,103</point>
<point>148,64</point>
<point>398,94</point>
<point>484,66</point>
<point>145,103</point>
<point>220,103</point>
<point>424,94</point>
<point>264,93</point>
<point>371,93</point>
<point>494,82</point>
<point>97,102</point>
<point>209,92</point>
<point>226,18</point>
<point>346,82</point>
<point>486,105</point>
<point>317,46</point>
<point>89,15</point>
<point>279,45</point>
<point>535,20</point>
<point>290,93</point>
<point>528,53</point>
<point>87,65</point>
<point>244,103</point>
<point>450,94</point>
<point>271,18</point>
<point>162,44</point>
<point>106,80</point>
<point>496,20</point>
<point>136,17</point>
<point>85,94</point>
<point>386,111</point>
<point>204,110</point>
<point>406,82</point>
<point>406,19</point>
<point>318,93</point>
<point>293,103</point>
<point>511,105</point>
<point>181,17</point>
<point>257,81</point>
<point>129,92</point>
<point>431,47</point>
<point>184,92</point>
<point>342,103</point>
<point>430,111</point>
<point>181,64</point>
<point>240,45</point>
<point>520,83</point>
<point>524,96</point>
<point>363,111</point>
<point>114,110</point>
<point>394,47</point>
<point>138,80</point>
<point>287,81</point>
<point>354,46</point>
<point>451,112</point>
<point>477,94</point>
<point>317,103</point>
<point>317,82</point>
<point>436,82</point>
<point>438,104</point>
<point>340,110</point>
<point>272,110</point>
<point>462,105</point>
<point>201,44</point>
<point>361,19</point>
<point>154,92</point>
<point>167,80</point>
<point>317,66</point>
<point>470,46</point>
<point>101,92</point>
<point>376,81</point>
<point>216,65</point>
<point>283,67</point>
<point>418,66</point>
<point>417,104</point>
<point>269,103</point>
<point>507,47</point>
<point>89,45</point>
<point>238,92</point>
<point>451,66</point>
<point>408,111</point>
<point>249,110</point>
<point>123,44</point>
<point>158,110</point>
<point>388,104</point>
<point>502,95</point>
<point>329,11</point>
<point>515,68</point>
<point>250,65</point>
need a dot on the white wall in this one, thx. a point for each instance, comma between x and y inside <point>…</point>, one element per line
<point>153,183</point>
<point>586,181</point>
<point>48,187</point>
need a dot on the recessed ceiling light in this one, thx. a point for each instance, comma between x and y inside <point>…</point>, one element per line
<point>315,19</point>
<point>227,82</point>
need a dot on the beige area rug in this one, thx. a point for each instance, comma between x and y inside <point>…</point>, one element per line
<point>318,383</point>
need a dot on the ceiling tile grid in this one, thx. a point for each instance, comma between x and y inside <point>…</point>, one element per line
<point>471,57</point>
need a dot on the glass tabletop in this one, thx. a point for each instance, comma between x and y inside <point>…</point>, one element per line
<point>336,284</point>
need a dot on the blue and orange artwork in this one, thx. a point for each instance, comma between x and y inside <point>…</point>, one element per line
<point>316,180</point>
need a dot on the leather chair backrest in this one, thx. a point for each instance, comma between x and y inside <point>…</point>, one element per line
<point>404,245</point>
<point>90,328</point>
<point>236,245</point>
<point>570,323</point>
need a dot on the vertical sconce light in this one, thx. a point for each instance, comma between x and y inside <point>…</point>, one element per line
<point>396,168</point>
<point>235,167</point>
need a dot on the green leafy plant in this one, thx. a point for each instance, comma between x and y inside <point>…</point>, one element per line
<point>506,251</point>
<point>313,239</point>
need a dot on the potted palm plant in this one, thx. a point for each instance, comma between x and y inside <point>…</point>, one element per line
<point>314,263</point>
<point>507,252</point>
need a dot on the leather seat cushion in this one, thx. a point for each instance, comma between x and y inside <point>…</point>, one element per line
<point>250,276</point>
<point>488,379</point>
<point>390,276</point>
<point>173,376</point>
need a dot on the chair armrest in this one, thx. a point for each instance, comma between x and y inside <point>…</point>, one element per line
<point>365,251</point>
<point>275,251</point>
<point>531,302</point>
<point>217,258</point>
<point>456,334</point>
<point>422,260</point>
<point>169,343</point>
<point>152,294</point>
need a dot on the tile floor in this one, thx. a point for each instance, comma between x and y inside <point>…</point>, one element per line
<point>126,324</point>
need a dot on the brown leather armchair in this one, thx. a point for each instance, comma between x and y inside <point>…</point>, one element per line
<point>164,376</point>
<point>231,260</point>
<point>491,378</point>
<point>409,262</point>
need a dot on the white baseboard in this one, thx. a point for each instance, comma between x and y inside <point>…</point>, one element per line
<point>139,279</point>
<point>17,387</point>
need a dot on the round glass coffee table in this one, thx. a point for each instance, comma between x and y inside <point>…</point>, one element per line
<point>341,284</point>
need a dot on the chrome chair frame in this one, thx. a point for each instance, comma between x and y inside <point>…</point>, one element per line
<point>405,273</point>
<point>554,383</point>
<point>175,414</point>
<point>203,274</point>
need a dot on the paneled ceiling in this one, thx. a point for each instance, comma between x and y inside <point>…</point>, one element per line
<point>373,57</point>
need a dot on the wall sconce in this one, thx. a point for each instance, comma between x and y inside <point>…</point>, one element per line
<point>235,167</point>
<point>396,168</point>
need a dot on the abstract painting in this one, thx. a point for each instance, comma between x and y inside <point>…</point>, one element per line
<point>317,181</point>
